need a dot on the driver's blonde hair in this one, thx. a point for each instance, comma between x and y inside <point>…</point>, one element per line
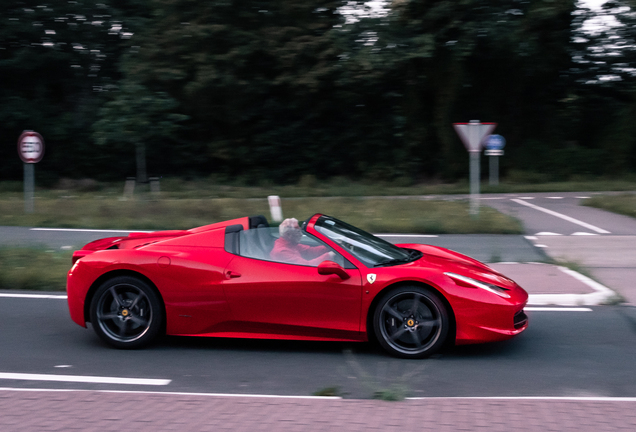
<point>287,225</point>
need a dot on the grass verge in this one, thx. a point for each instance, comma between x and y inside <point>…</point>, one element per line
<point>624,204</point>
<point>372,214</point>
<point>309,186</point>
<point>34,269</point>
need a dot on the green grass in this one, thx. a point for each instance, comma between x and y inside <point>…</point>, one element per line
<point>33,269</point>
<point>333,391</point>
<point>623,204</point>
<point>309,186</point>
<point>373,214</point>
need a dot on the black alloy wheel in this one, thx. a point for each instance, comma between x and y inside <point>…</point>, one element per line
<point>411,322</point>
<point>126,312</point>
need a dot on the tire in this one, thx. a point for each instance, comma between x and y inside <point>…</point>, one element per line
<point>411,322</point>
<point>126,313</point>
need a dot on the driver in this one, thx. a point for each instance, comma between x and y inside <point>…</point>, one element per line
<point>288,249</point>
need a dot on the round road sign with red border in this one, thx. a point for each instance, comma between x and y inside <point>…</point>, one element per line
<point>31,147</point>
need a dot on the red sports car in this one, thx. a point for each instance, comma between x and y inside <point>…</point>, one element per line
<point>236,279</point>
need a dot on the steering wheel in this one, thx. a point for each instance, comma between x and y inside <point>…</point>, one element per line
<point>346,245</point>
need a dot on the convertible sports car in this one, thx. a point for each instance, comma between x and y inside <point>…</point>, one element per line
<point>223,280</point>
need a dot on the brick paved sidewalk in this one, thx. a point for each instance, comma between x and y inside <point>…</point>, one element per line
<point>105,411</point>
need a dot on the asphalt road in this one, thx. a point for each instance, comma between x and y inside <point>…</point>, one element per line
<point>487,248</point>
<point>603,243</point>
<point>563,353</point>
<point>531,210</point>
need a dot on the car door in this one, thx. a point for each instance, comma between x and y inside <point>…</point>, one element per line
<point>281,300</point>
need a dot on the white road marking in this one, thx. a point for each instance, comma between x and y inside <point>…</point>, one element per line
<point>555,197</point>
<point>526,198</point>
<point>582,197</point>
<point>170,393</point>
<point>493,198</point>
<point>562,216</point>
<point>583,234</point>
<point>556,398</point>
<point>541,245</point>
<point>530,238</point>
<point>601,294</point>
<point>83,379</point>
<point>406,235</point>
<point>63,366</point>
<point>557,309</point>
<point>233,395</point>
<point>546,233</point>
<point>88,230</point>
<point>34,296</point>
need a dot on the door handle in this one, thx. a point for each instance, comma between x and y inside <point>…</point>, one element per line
<point>232,274</point>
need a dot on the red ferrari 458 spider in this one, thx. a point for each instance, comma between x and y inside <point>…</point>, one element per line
<point>333,282</point>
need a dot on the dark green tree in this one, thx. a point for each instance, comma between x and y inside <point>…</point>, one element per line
<point>57,59</point>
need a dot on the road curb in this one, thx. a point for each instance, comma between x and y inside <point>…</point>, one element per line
<point>601,294</point>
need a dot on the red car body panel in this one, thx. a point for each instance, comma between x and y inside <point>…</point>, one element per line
<point>208,291</point>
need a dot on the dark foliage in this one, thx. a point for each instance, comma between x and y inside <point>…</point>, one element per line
<point>272,90</point>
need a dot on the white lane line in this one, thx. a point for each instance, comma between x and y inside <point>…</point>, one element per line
<point>159,393</point>
<point>493,198</point>
<point>83,379</point>
<point>562,216</point>
<point>406,235</point>
<point>237,395</point>
<point>34,296</point>
<point>88,230</point>
<point>583,234</point>
<point>556,398</point>
<point>555,197</point>
<point>546,233</point>
<point>530,238</point>
<point>557,309</point>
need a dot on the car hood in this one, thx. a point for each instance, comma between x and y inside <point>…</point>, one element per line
<point>446,260</point>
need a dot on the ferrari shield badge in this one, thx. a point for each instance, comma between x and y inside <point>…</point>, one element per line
<point>371,277</point>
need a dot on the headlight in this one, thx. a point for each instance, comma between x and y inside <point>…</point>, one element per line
<point>501,292</point>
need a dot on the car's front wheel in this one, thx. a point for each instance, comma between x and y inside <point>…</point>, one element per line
<point>411,322</point>
<point>126,312</point>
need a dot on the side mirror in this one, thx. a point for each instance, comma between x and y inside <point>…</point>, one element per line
<point>326,268</point>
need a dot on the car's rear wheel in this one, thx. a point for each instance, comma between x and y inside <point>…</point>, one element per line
<point>126,312</point>
<point>411,322</point>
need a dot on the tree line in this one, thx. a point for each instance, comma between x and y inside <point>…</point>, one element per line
<point>273,90</point>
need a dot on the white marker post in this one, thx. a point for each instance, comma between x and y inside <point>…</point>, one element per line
<point>275,208</point>
<point>31,151</point>
<point>472,135</point>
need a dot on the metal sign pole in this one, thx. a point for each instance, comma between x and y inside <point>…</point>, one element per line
<point>29,186</point>
<point>474,183</point>
<point>494,170</point>
<point>472,135</point>
<point>475,136</point>
<point>494,149</point>
<point>31,151</point>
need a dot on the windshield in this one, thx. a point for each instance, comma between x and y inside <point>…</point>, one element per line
<point>369,249</point>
